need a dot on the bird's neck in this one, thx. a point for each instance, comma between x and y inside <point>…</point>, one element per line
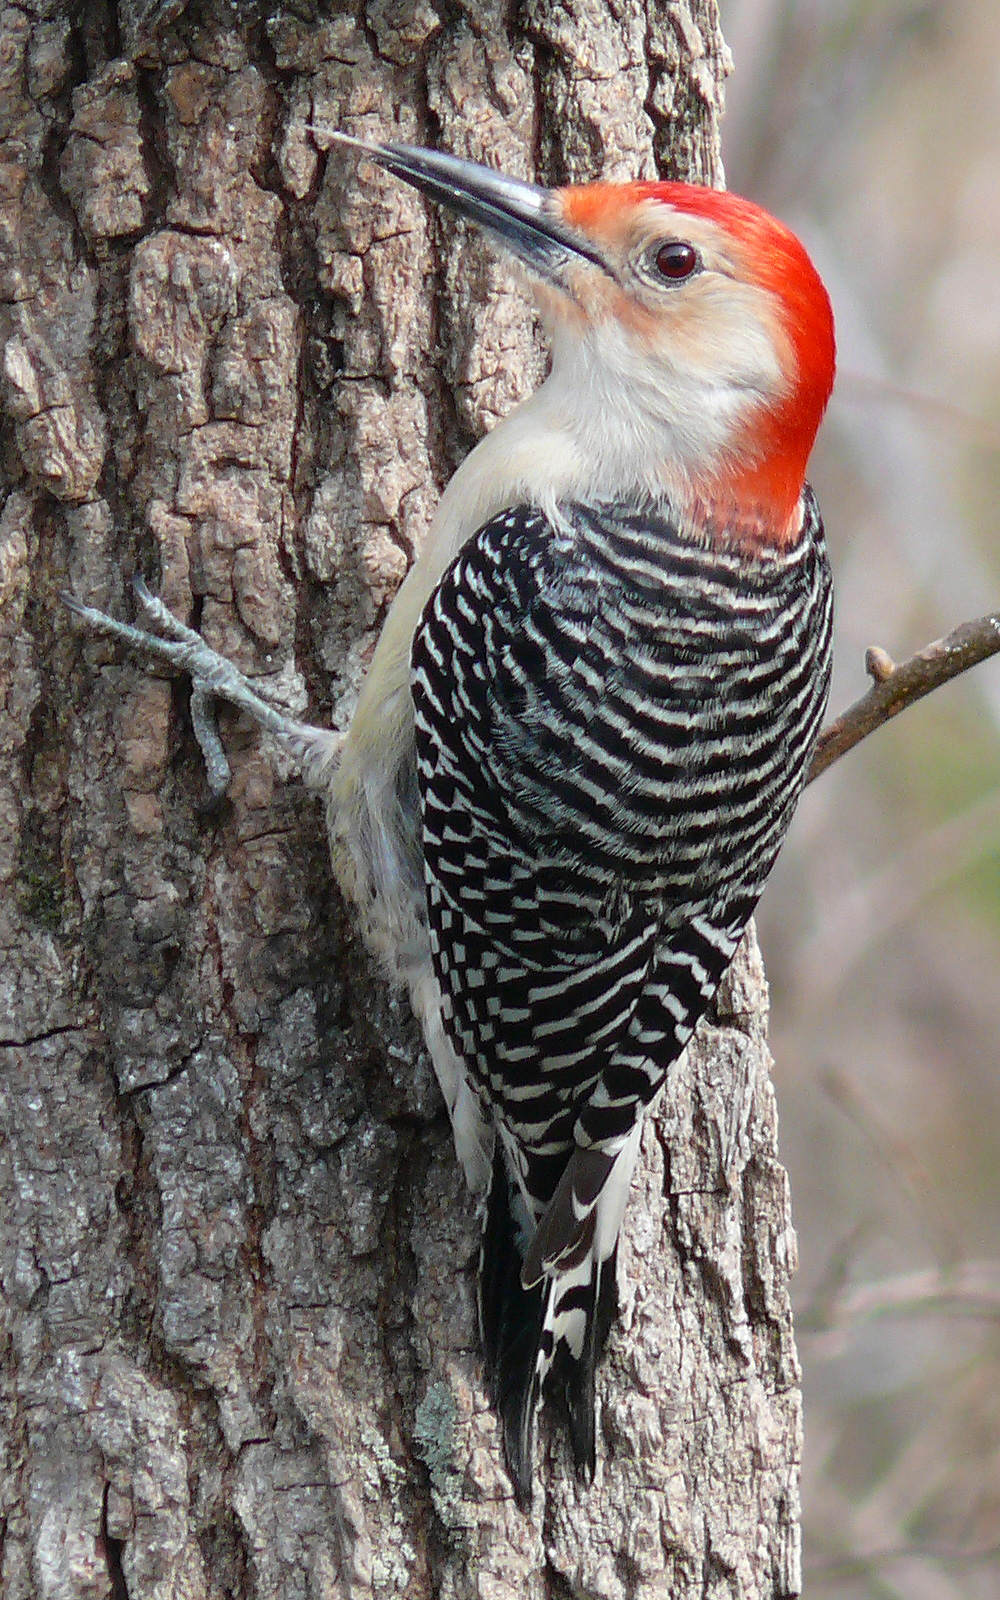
<point>563,445</point>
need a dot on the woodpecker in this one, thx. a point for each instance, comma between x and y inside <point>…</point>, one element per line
<point>587,721</point>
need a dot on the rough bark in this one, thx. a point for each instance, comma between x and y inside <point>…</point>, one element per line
<point>236,1256</point>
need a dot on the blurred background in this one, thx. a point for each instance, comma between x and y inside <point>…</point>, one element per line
<point>873,127</point>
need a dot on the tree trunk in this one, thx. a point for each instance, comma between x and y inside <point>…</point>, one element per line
<point>237,1258</point>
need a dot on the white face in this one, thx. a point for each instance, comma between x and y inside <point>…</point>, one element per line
<point>675,352</point>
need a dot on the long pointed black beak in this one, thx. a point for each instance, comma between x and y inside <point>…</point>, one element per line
<point>522,216</point>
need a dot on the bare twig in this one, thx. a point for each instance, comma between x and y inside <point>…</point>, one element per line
<point>857,1565</point>
<point>969,1288</point>
<point>859,387</point>
<point>895,1154</point>
<point>896,687</point>
<point>861,915</point>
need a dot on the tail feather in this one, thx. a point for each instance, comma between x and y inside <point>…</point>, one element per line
<point>511,1325</point>
<point>585,1214</point>
<point>577,1378</point>
<point>561,1320</point>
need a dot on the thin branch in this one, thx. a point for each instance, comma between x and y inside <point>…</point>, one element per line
<point>877,389</point>
<point>858,919</point>
<point>897,1157</point>
<point>969,1288</point>
<point>896,687</point>
<point>857,1565</point>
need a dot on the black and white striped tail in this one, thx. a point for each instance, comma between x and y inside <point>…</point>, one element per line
<point>552,1331</point>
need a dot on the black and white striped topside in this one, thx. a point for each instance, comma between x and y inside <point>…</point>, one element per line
<point>613,725</point>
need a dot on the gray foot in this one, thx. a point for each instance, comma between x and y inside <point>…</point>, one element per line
<point>214,678</point>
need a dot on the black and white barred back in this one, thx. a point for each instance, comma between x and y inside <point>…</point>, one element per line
<point>613,726</point>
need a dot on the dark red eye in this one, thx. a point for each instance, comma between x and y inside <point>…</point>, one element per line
<point>676,260</point>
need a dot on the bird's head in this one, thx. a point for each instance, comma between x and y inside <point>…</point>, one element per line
<point>690,327</point>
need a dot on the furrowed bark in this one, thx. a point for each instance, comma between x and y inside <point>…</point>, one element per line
<point>236,1256</point>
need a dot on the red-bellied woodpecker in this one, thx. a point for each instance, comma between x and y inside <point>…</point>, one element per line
<point>588,720</point>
